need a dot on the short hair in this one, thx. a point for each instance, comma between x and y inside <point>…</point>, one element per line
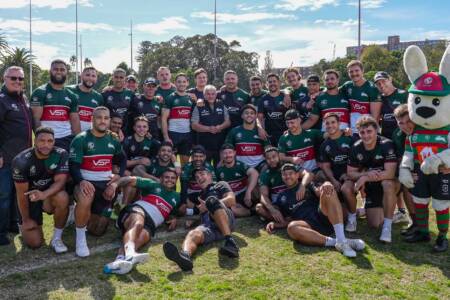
<point>331,115</point>
<point>100,108</point>
<point>57,62</point>
<point>166,144</point>
<point>209,87</point>
<point>289,167</point>
<point>162,68</point>
<point>12,68</point>
<point>256,78</point>
<point>331,71</point>
<point>366,121</point>
<point>401,111</point>
<point>171,170</point>
<point>139,119</point>
<point>89,69</point>
<point>44,129</point>
<point>229,72</point>
<point>119,70</point>
<point>116,115</point>
<point>199,71</point>
<point>355,63</point>
<point>294,70</point>
<point>313,78</point>
<point>249,106</point>
<point>271,149</point>
<point>273,75</point>
<point>181,75</point>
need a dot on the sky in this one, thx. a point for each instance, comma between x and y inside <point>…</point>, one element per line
<point>297,32</point>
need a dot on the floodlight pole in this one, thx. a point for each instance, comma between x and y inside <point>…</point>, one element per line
<point>215,41</point>
<point>359,29</point>
<point>76,40</point>
<point>131,44</point>
<point>31,56</point>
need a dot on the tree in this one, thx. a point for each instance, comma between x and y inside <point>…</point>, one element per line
<point>73,61</point>
<point>268,64</point>
<point>3,44</point>
<point>87,62</point>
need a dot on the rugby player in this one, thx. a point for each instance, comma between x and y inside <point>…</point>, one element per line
<point>256,90</point>
<point>165,87</point>
<point>297,91</point>
<point>201,80</point>
<point>132,83</point>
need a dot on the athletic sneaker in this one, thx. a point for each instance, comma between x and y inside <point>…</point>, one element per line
<point>412,228</point>
<point>229,248</point>
<point>119,266</point>
<point>441,244</point>
<point>181,258</point>
<point>81,249</point>
<point>356,244</point>
<point>350,226</point>
<point>137,258</point>
<point>400,217</point>
<point>417,237</point>
<point>345,249</point>
<point>386,235</point>
<point>58,246</point>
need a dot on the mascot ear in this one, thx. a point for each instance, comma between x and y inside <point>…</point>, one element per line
<point>415,63</point>
<point>444,67</point>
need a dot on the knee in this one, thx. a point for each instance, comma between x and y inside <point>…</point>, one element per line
<point>292,229</point>
<point>61,200</point>
<point>259,208</point>
<point>34,242</point>
<point>138,170</point>
<point>98,227</point>
<point>374,223</point>
<point>195,236</point>
<point>347,187</point>
<point>388,186</point>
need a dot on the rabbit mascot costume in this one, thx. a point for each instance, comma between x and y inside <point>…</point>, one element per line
<point>427,154</point>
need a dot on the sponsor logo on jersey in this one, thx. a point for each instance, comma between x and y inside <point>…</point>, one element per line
<point>57,112</point>
<point>345,146</point>
<point>16,171</point>
<point>111,146</point>
<point>363,94</point>
<point>344,101</point>
<point>275,115</point>
<point>248,148</point>
<point>237,174</point>
<point>42,182</point>
<point>146,148</point>
<point>101,162</point>
<point>396,102</point>
<point>240,99</point>
<point>121,110</point>
<point>307,140</point>
<point>440,138</point>
<point>378,156</point>
<point>85,113</point>
<point>127,98</point>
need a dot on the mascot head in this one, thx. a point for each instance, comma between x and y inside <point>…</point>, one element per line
<point>429,94</point>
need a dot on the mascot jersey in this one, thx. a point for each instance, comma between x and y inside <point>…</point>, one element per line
<point>425,142</point>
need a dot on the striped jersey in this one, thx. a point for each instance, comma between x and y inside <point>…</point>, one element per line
<point>86,104</point>
<point>180,108</point>
<point>326,103</point>
<point>95,154</point>
<point>271,178</point>
<point>426,142</point>
<point>236,176</point>
<point>57,106</point>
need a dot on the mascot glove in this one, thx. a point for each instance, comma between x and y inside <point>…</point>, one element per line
<point>430,165</point>
<point>445,157</point>
<point>406,178</point>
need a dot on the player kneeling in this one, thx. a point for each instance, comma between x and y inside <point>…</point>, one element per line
<point>311,221</point>
<point>139,220</point>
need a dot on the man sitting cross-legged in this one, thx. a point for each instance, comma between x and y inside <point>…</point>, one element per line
<point>214,204</point>
<point>138,221</point>
<point>312,220</point>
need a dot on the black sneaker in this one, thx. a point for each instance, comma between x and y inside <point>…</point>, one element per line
<point>4,240</point>
<point>417,237</point>
<point>181,258</point>
<point>410,230</point>
<point>229,248</point>
<point>441,244</point>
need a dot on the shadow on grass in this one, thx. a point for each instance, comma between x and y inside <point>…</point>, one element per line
<point>249,226</point>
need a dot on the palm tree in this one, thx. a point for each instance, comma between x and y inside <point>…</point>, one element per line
<point>73,60</point>
<point>87,62</point>
<point>3,43</point>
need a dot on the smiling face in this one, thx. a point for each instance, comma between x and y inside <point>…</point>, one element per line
<point>429,111</point>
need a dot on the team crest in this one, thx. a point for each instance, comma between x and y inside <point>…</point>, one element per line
<point>158,190</point>
<point>223,97</point>
<point>239,135</point>
<point>28,155</point>
<point>33,170</point>
<point>49,96</point>
<point>176,102</point>
<point>350,90</point>
<point>93,101</point>
<point>222,175</point>
<point>67,99</point>
<point>111,146</point>
<point>14,107</point>
<point>141,104</point>
<point>110,98</point>
<point>133,148</point>
<point>328,148</point>
<point>90,145</point>
<point>52,166</point>
<point>359,156</point>
<point>323,102</point>
<point>289,143</point>
<point>16,171</point>
<point>266,102</point>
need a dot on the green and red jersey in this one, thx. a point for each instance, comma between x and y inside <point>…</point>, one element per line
<point>338,104</point>
<point>360,98</point>
<point>157,201</point>
<point>57,106</point>
<point>164,93</point>
<point>95,155</point>
<point>248,145</point>
<point>426,142</point>
<point>236,176</point>
<point>155,169</point>
<point>271,178</point>
<point>302,145</point>
<point>180,108</point>
<point>86,104</point>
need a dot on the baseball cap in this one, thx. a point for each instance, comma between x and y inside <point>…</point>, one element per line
<point>430,84</point>
<point>151,80</point>
<point>291,114</point>
<point>380,75</point>
<point>198,149</point>
<point>201,168</point>
<point>227,146</point>
<point>131,77</point>
<point>248,106</point>
<point>313,78</point>
<point>289,166</point>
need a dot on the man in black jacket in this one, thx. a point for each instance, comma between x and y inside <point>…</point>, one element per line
<point>15,136</point>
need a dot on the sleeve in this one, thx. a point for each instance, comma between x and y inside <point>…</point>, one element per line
<point>230,137</point>
<point>244,167</point>
<point>352,158</point>
<point>375,95</point>
<point>246,97</point>
<point>323,156</point>
<point>145,183</point>
<point>167,103</point>
<point>260,106</point>
<point>37,97</point>
<point>73,101</point>
<point>19,169</point>
<point>316,110</point>
<point>2,111</point>
<point>226,115</point>
<point>262,180</point>
<point>223,187</point>
<point>63,165</point>
<point>389,152</point>
<point>100,100</point>
<point>185,174</point>
<point>195,115</point>
<point>126,146</point>
<point>318,138</point>
<point>282,145</point>
<point>120,158</point>
<point>76,150</point>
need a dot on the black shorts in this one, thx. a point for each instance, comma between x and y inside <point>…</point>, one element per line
<point>149,225</point>
<point>318,221</point>
<point>35,210</point>
<point>374,194</point>
<point>240,199</point>
<point>100,206</point>
<point>64,142</point>
<point>433,185</point>
<point>182,142</point>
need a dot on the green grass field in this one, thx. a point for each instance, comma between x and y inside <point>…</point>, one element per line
<point>270,267</point>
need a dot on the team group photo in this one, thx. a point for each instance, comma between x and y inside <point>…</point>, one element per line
<point>197,174</point>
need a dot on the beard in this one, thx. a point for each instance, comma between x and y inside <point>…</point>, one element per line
<point>87,85</point>
<point>55,80</point>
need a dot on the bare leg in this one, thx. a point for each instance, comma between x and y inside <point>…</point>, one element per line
<point>301,232</point>
<point>193,239</point>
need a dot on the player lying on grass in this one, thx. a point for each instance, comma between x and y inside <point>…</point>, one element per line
<point>138,221</point>
<point>313,219</point>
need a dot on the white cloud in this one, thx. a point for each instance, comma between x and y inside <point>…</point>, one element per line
<point>44,54</point>
<point>345,23</point>
<point>305,4</point>
<point>368,4</point>
<point>245,7</point>
<point>47,26</point>
<point>109,59</point>
<point>164,26</point>
<point>53,4</point>
<point>225,18</point>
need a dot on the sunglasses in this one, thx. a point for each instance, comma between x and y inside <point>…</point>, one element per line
<point>15,78</point>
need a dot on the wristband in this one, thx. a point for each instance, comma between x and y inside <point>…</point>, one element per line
<point>189,211</point>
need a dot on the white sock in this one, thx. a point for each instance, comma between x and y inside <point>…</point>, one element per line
<point>57,233</point>
<point>129,249</point>
<point>351,217</point>
<point>330,242</point>
<point>387,223</point>
<point>339,231</point>
<point>81,234</point>
<point>120,257</point>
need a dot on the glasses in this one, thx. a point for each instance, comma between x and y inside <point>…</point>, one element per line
<point>15,78</point>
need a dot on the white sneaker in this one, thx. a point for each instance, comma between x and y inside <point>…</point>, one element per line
<point>137,258</point>
<point>350,226</point>
<point>81,249</point>
<point>345,249</point>
<point>356,244</point>
<point>400,217</point>
<point>386,235</point>
<point>119,266</point>
<point>58,246</point>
